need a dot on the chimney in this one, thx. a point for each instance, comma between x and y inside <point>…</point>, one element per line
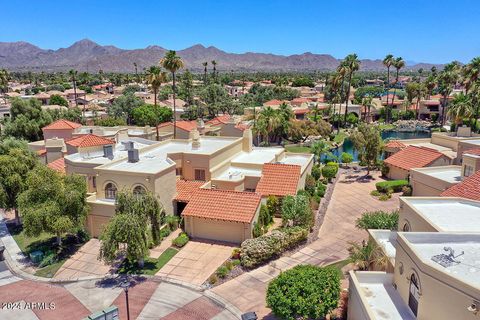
<point>247,142</point>
<point>128,145</point>
<point>201,126</point>
<point>133,156</point>
<point>195,136</point>
<point>108,151</point>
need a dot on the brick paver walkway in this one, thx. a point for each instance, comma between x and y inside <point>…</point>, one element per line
<point>351,197</point>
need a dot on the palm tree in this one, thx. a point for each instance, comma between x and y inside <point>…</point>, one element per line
<point>173,63</point>
<point>447,78</point>
<point>73,75</point>
<point>367,103</point>
<point>367,256</point>
<point>319,148</point>
<point>353,64</point>
<point>419,94</point>
<point>461,107</point>
<point>268,123</point>
<point>398,64</point>
<point>471,73</point>
<point>136,72</point>
<point>214,63</point>
<point>4,76</point>
<point>205,64</point>
<point>155,77</point>
<point>388,62</point>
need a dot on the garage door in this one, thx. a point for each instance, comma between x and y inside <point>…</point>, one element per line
<point>217,230</point>
<point>97,224</point>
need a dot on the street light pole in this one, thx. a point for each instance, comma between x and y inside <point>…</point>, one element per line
<point>125,288</point>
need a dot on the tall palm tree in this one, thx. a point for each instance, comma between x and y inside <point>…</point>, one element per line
<point>136,72</point>
<point>268,123</point>
<point>461,107</point>
<point>205,64</point>
<point>155,77</point>
<point>73,75</point>
<point>214,63</point>
<point>420,91</point>
<point>398,64</point>
<point>471,73</point>
<point>173,63</point>
<point>353,64</point>
<point>367,103</point>
<point>4,76</point>
<point>446,80</point>
<point>388,62</point>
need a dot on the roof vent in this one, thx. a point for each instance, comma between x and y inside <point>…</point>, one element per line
<point>447,260</point>
<point>108,151</point>
<point>90,130</point>
<point>133,156</point>
<point>128,145</point>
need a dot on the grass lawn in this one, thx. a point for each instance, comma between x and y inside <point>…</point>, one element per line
<point>298,149</point>
<point>386,126</point>
<point>46,243</point>
<point>151,266</point>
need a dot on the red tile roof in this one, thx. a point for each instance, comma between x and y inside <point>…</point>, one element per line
<point>58,165</point>
<point>301,111</point>
<point>186,189</point>
<point>475,152</point>
<point>62,124</point>
<point>395,144</point>
<point>223,205</point>
<point>273,102</point>
<point>468,188</point>
<point>42,152</point>
<point>89,140</point>
<point>279,179</point>
<point>219,120</point>
<point>413,157</point>
<point>184,125</point>
<point>300,100</point>
<point>242,126</point>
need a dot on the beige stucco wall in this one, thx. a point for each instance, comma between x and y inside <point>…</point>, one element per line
<point>61,134</point>
<point>424,185</point>
<point>416,222</point>
<point>438,299</point>
<point>229,130</point>
<point>396,173</point>
<point>472,161</point>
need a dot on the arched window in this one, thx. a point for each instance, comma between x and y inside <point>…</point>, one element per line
<point>139,190</point>
<point>406,227</point>
<point>414,294</point>
<point>110,191</point>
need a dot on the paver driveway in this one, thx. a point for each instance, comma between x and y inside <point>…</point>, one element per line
<point>83,263</point>
<point>196,261</point>
<point>351,197</point>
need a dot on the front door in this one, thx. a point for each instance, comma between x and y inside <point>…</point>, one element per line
<point>413,295</point>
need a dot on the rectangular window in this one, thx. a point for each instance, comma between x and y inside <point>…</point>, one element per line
<point>468,171</point>
<point>178,171</point>
<point>94,182</point>
<point>200,174</point>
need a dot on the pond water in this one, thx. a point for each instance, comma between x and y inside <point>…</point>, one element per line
<point>348,145</point>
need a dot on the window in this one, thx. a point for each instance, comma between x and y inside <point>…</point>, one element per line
<point>406,227</point>
<point>178,171</point>
<point>200,174</point>
<point>110,191</point>
<point>94,182</point>
<point>139,190</point>
<point>249,190</point>
<point>414,294</point>
<point>468,171</point>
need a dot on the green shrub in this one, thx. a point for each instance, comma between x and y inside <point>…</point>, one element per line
<point>49,258</point>
<point>173,222</point>
<point>181,240</point>
<point>316,172</point>
<point>296,211</point>
<point>385,197</point>
<point>346,158</point>
<point>222,272</point>
<point>384,169</point>
<point>165,232</point>
<point>213,279</point>
<point>394,185</point>
<point>264,217</point>
<point>259,250</point>
<point>229,265</point>
<point>304,292</point>
<point>257,230</point>
<point>378,220</point>
<point>235,262</point>
<point>310,184</point>
<point>329,172</point>
<point>236,253</point>
<point>321,189</point>
<point>274,205</point>
<point>375,193</point>
<point>83,236</point>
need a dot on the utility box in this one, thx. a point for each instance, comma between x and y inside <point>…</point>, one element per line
<point>36,256</point>
<point>110,313</point>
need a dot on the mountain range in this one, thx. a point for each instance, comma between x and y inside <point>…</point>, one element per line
<point>86,55</point>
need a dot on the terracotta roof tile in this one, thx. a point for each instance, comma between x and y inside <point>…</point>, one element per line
<point>62,124</point>
<point>58,165</point>
<point>468,188</point>
<point>223,205</point>
<point>413,157</point>
<point>42,152</point>
<point>219,120</point>
<point>395,144</point>
<point>301,111</point>
<point>184,125</point>
<point>273,102</point>
<point>279,179</point>
<point>89,140</point>
<point>186,189</point>
<point>475,152</point>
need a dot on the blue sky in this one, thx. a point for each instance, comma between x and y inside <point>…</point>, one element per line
<point>435,31</point>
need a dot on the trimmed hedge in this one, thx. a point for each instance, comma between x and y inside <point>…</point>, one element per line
<point>259,250</point>
<point>181,240</point>
<point>395,185</point>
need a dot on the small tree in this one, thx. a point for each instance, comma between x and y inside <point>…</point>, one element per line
<point>58,100</point>
<point>346,158</point>
<point>134,215</point>
<point>274,206</point>
<point>304,292</point>
<point>53,203</point>
<point>296,211</point>
<point>329,172</point>
<point>378,220</point>
<point>367,140</point>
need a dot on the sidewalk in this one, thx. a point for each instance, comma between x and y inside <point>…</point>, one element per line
<point>164,245</point>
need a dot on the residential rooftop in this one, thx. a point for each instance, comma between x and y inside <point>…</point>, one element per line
<point>448,214</point>
<point>469,188</point>
<point>450,174</point>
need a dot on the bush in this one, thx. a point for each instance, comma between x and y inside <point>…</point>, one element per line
<point>173,222</point>
<point>329,172</point>
<point>259,250</point>
<point>274,206</point>
<point>407,191</point>
<point>181,240</point>
<point>385,197</point>
<point>264,217</point>
<point>165,232</point>
<point>229,265</point>
<point>213,279</point>
<point>235,262</point>
<point>316,172</point>
<point>296,211</point>
<point>375,193</point>
<point>222,272</point>
<point>321,189</point>
<point>384,169</point>
<point>83,236</point>
<point>305,291</point>
<point>257,230</point>
<point>236,253</point>
<point>394,185</point>
<point>310,184</point>
<point>346,158</point>
<point>48,259</point>
<point>378,220</point>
